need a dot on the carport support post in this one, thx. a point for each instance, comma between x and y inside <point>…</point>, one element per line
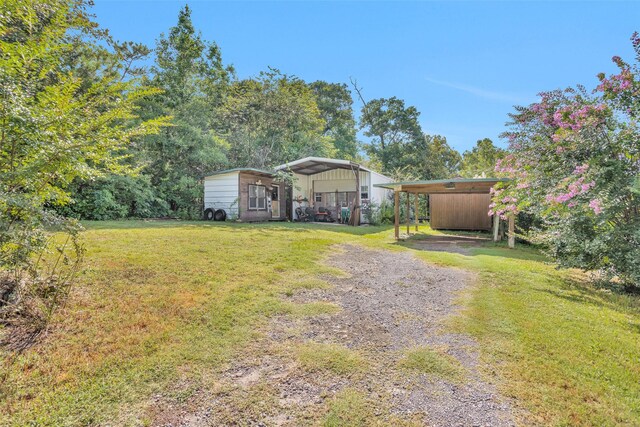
<point>512,229</point>
<point>396,213</point>
<point>408,213</point>
<point>416,201</point>
<point>496,227</point>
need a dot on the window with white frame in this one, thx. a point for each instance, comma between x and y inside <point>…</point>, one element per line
<point>257,198</point>
<point>364,192</point>
<point>318,197</point>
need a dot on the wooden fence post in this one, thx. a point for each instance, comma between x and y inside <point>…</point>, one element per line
<point>408,213</point>
<point>416,209</point>
<point>396,212</point>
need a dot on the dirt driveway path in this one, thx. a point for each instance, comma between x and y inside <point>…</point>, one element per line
<point>383,355</point>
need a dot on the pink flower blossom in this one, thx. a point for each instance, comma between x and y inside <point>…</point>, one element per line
<point>579,170</point>
<point>596,206</point>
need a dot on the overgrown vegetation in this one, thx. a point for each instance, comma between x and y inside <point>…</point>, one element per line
<point>63,118</point>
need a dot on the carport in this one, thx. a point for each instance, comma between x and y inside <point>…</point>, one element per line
<point>454,204</point>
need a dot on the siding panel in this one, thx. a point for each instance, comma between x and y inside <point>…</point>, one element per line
<point>460,211</point>
<point>221,192</point>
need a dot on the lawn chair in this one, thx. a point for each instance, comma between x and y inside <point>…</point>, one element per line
<point>302,214</point>
<point>311,215</point>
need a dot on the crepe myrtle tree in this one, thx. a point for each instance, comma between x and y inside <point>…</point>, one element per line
<point>575,162</point>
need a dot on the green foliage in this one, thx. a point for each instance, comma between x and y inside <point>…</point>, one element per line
<point>335,105</point>
<point>194,82</point>
<point>430,157</point>
<point>481,161</point>
<point>116,197</point>
<point>398,145</point>
<point>575,161</point>
<point>376,214</point>
<point>392,127</point>
<point>273,119</point>
<point>62,118</point>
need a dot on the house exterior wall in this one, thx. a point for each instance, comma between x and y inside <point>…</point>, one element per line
<point>378,195</point>
<point>332,180</point>
<point>221,192</point>
<point>246,179</point>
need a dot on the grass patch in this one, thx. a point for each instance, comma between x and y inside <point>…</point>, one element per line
<point>351,408</point>
<point>432,362</point>
<point>335,358</point>
<point>312,308</point>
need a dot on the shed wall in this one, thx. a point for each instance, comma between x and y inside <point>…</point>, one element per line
<point>460,211</point>
<point>247,178</point>
<point>221,192</point>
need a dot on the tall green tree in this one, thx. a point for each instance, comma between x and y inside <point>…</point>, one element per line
<point>272,119</point>
<point>391,127</point>
<point>481,160</point>
<point>194,83</point>
<point>430,157</point>
<point>336,107</point>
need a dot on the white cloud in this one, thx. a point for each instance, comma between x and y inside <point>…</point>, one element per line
<point>479,92</point>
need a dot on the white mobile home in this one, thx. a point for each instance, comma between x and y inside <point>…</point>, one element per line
<point>324,185</point>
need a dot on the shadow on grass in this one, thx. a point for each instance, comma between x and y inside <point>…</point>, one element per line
<point>587,293</point>
<point>469,244</point>
<point>236,226</point>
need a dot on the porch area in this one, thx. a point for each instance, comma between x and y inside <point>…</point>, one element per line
<point>331,190</point>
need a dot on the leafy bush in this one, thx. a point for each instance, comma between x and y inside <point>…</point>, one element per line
<point>376,214</point>
<point>116,197</point>
<point>61,120</point>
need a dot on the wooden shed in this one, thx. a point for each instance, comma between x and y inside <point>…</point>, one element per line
<point>454,204</point>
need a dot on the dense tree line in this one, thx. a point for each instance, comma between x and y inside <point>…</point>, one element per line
<point>219,121</point>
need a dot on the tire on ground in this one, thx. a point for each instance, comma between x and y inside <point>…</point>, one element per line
<point>209,214</point>
<point>219,215</point>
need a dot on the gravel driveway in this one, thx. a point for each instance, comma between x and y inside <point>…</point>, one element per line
<point>390,302</point>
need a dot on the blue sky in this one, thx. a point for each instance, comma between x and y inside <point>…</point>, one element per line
<point>462,64</point>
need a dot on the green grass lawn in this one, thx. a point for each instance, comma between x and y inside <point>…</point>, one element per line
<point>161,302</point>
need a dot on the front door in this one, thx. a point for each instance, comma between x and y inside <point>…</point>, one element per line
<point>275,202</point>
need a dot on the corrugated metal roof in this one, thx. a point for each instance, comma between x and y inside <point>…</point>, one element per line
<point>392,185</point>
<point>260,171</point>
<point>314,165</point>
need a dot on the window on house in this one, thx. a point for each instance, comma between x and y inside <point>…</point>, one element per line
<point>318,197</point>
<point>257,198</point>
<point>364,192</point>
